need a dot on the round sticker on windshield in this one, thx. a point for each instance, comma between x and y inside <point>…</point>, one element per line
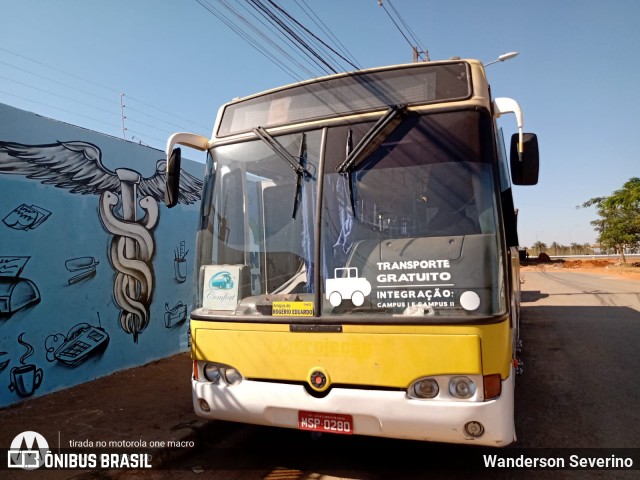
<point>470,300</point>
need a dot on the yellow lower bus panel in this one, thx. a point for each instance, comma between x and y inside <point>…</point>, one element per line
<point>436,383</point>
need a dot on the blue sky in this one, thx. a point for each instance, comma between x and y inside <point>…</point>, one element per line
<point>577,76</point>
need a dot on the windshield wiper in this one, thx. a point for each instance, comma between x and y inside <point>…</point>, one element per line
<point>282,152</point>
<point>373,138</point>
<point>298,165</point>
<point>302,159</point>
<point>348,150</point>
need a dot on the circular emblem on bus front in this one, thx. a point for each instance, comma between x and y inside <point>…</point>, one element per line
<point>318,379</point>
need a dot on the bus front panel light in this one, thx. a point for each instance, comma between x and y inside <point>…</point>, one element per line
<point>204,406</point>
<point>492,386</point>
<point>232,376</point>
<point>212,372</point>
<point>424,388</point>
<point>462,387</point>
<point>474,429</point>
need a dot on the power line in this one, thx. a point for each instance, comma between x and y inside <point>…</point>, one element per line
<point>266,26</point>
<point>49,79</point>
<point>323,26</point>
<point>246,37</point>
<point>280,32</point>
<point>111,89</point>
<point>64,97</point>
<point>76,114</point>
<point>311,33</point>
<point>256,14</point>
<point>406,26</point>
<point>415,46</point>
<point>88,93</point>
<point>54,107</point>
<point>282,38</point>
<point>380,3</point>
<point>58,70</point>
<point>297,41</point>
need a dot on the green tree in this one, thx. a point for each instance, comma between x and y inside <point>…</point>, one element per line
<point>540,247</point>
<point>619,224</point>
<point>575,248</point>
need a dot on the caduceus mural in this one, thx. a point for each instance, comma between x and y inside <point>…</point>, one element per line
<point>77,166</point>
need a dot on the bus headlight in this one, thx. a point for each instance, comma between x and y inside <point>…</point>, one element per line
<point>212,372</point>
<point>217,372</point>
<point>424,388</point>
<point>232,376</point>
<point>462,387</point>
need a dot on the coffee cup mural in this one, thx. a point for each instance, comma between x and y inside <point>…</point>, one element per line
<point>26,377</point>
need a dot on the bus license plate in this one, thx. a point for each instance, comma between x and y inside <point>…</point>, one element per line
<point>325,422</point>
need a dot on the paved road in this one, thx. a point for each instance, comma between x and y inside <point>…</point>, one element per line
<point>580,389</point>
<point>582,380</point>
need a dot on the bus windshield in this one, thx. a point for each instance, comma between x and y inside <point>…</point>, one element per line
<point>407,232</point>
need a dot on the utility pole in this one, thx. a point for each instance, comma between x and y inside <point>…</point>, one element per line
<point>416,55</point>
<point>124,129</point>
<point>416,52</point>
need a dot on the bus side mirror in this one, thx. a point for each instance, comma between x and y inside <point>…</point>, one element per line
<point>172,180</point>
<point>524,171</point>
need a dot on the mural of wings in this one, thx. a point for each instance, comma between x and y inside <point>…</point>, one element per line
<point>77,166</point>
<point>190,186</point>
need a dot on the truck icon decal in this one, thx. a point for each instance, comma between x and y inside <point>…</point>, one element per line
<point>347,285</point>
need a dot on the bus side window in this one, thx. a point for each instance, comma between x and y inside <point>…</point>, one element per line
<point>230,218</point>
<point>508,208</point>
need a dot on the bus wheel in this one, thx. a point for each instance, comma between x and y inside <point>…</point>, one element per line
<point>335,299</point>
<point>357,298</point>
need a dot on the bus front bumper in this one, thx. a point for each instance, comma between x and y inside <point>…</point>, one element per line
<point>375,412</point>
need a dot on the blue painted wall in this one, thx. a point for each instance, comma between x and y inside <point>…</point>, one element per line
<point>96,273</point>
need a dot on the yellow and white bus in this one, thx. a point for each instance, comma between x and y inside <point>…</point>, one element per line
<point>356,256</point>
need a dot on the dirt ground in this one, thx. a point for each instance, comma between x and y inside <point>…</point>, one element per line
<point>629,270</point>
